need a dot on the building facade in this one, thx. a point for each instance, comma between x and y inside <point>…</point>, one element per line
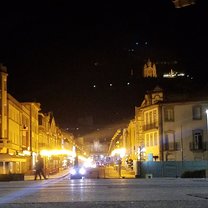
<point>11,139</point>
<point>26,132</point>
<point>173,130</point>
<point>149,70</point>
<point>166,128</point>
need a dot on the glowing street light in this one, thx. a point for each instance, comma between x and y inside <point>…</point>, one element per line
<point>121,152</point>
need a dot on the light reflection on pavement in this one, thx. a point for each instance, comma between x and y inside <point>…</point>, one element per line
<point>105,191</point>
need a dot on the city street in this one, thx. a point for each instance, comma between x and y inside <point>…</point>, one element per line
<point>63,192</point>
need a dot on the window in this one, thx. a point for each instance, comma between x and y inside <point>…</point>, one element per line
<point>147,140</point>
<point>40,120</point>
<point>154,116</point>
<point>197,112</point>
<point>197,139</point>
<point>146,118</point>
<point>169,113</point>
<point>150,117</point>
<point>151,139</point>
<point>155,139</point>
<point>169,141</point>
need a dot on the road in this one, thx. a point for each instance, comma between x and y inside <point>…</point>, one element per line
<point>63,192</point>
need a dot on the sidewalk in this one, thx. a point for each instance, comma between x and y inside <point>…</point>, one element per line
<point>107,173</point>
<point>111,172</point>
<point>60,174</point>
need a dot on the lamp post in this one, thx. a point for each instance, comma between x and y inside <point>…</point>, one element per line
<point>181,145</point>
<point>206,127</point>
<point>207,122</point>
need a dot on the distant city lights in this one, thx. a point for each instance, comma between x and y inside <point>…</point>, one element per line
<point>173,74</point>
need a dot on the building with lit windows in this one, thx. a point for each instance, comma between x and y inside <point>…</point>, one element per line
<point>33,109</point>
<point>26,132</point>
<point>18,129</point>
<point>56,146</point>
<point>149,69</point>
<point>131,145</point>
<point>18,136</point>
<point>173,129</point>
<point>168,136</point>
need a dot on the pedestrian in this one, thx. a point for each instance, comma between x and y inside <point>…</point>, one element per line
<point>39,166</point>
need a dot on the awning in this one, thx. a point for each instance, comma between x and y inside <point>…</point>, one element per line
<point>11,158</point>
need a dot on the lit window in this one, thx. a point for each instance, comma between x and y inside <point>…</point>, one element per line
<point>151,139</point>
<point>155,139</point>
<point>147,140</point>
<point>154,116</point>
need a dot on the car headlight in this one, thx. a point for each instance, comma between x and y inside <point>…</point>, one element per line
<point>73,171</point>
<point>82,171</point>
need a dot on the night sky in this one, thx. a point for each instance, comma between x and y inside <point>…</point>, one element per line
<point>84,61</point>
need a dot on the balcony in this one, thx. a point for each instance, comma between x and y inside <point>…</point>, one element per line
<point>172,146</point>
<point>198,147</point>
<point>150,126</point>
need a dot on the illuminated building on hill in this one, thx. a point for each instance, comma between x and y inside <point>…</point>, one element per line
<point>150,69</point>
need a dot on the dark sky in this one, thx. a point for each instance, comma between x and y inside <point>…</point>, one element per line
<point>56,51</point>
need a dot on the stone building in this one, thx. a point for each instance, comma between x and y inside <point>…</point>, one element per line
<point>25,131</point>
<point>173,130</point>
<point>149,70</point>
